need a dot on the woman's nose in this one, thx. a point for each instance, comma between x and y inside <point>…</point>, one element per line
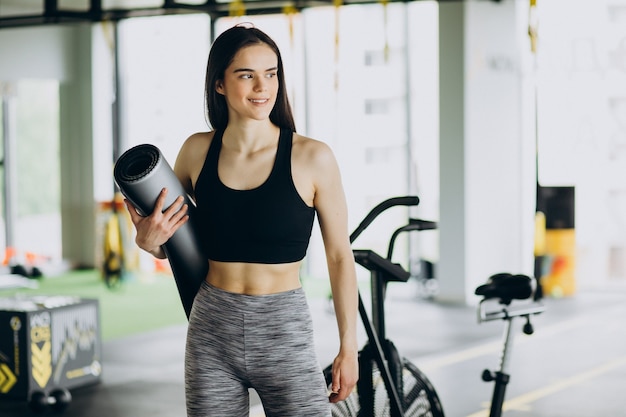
<point>260,84</point>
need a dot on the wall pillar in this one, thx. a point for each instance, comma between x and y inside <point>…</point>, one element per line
<point>78,211</point>
<point>487,145</point>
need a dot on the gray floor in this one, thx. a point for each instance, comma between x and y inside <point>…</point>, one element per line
<point>574,365</point>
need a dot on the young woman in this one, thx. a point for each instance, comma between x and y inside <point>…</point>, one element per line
<point>258,185</point>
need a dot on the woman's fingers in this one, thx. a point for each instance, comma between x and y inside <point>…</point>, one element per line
<point>160,201</point>
<point>176,214</point>
<point>132,210</point>
<point>156,229</point>
<point>344,377</point>
<point>176,208</point>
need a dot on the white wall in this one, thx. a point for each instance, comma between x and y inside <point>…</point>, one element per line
<point>582,126</point>
<point>36,52</point>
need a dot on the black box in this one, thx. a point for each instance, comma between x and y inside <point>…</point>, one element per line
<point>47,343</point>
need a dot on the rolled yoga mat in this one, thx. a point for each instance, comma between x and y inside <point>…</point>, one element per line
<point>141,173</point>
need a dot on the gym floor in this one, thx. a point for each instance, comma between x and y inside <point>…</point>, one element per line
<point>574,364</point>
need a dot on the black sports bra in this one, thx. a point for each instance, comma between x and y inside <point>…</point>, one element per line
<point>270,224</point>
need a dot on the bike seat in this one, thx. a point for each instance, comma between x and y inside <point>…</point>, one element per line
<point>506,287</point>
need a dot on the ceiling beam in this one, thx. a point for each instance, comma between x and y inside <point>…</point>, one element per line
<point>52,14</point>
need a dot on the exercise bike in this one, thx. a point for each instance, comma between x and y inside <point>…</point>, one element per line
<point>390,385</point>
<point>498,293</point>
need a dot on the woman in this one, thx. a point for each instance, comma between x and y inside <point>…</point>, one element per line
<point>258,185</point>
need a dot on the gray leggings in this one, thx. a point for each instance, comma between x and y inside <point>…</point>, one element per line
<point>236,342</point>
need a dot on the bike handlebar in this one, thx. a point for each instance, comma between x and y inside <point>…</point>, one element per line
<point>391,202</point>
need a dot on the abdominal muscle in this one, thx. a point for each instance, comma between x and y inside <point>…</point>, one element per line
<point>254,279</point>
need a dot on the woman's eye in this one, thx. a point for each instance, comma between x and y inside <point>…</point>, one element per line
<point>246,76</point>
<point>270,75</point>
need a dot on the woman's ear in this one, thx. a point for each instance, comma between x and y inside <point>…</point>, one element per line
<point>219,87</point>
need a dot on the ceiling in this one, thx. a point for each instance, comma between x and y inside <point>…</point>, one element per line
<point>14,13</point>
<point>40,12</point>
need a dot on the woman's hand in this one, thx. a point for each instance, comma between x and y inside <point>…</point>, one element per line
<point>156,229</point>
<point>345,375</point>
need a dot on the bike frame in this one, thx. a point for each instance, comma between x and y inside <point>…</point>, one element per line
<point>501,377</point>
<point>377,265</point>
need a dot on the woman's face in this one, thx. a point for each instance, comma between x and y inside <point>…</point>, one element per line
<point>250,83</point>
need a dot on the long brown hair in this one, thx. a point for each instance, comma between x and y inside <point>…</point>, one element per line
<point>223,51</point>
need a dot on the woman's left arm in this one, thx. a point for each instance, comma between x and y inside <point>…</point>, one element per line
<point>331,207</point>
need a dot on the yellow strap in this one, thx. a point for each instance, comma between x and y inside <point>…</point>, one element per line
<point>386,20</point>
<point>289,10</point>
<point>337,4</point>
<point>237,8</point>
<point>532,25</point>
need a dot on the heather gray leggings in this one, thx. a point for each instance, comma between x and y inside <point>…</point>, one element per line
<point>237,341</point>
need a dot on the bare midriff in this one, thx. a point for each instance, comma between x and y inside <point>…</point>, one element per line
<point>254,279</point>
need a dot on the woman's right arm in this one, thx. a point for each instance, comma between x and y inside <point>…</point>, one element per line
<point>156,229</point>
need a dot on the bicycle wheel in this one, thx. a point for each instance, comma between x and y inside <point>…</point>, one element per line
<point>419,398</point>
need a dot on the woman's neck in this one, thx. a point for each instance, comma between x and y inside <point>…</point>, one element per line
<point>250,137</point>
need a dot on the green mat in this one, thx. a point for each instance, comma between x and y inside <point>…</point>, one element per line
<point>140,304</point>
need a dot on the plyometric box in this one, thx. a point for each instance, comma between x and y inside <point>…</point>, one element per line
<point>48,342</point>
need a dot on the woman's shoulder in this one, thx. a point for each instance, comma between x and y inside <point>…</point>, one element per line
<point>198,140</point>
<point>195,145</point>
<point>192,153</point>
<point>313,150</point>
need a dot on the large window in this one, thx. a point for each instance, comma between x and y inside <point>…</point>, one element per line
<point>30,169</point>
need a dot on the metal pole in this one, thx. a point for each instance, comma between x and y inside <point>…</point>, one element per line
<point>8,163</point>
<point>116,104</point>
<point>501,376</point>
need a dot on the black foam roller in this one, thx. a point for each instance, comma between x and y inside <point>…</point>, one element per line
<point>141,173</point>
